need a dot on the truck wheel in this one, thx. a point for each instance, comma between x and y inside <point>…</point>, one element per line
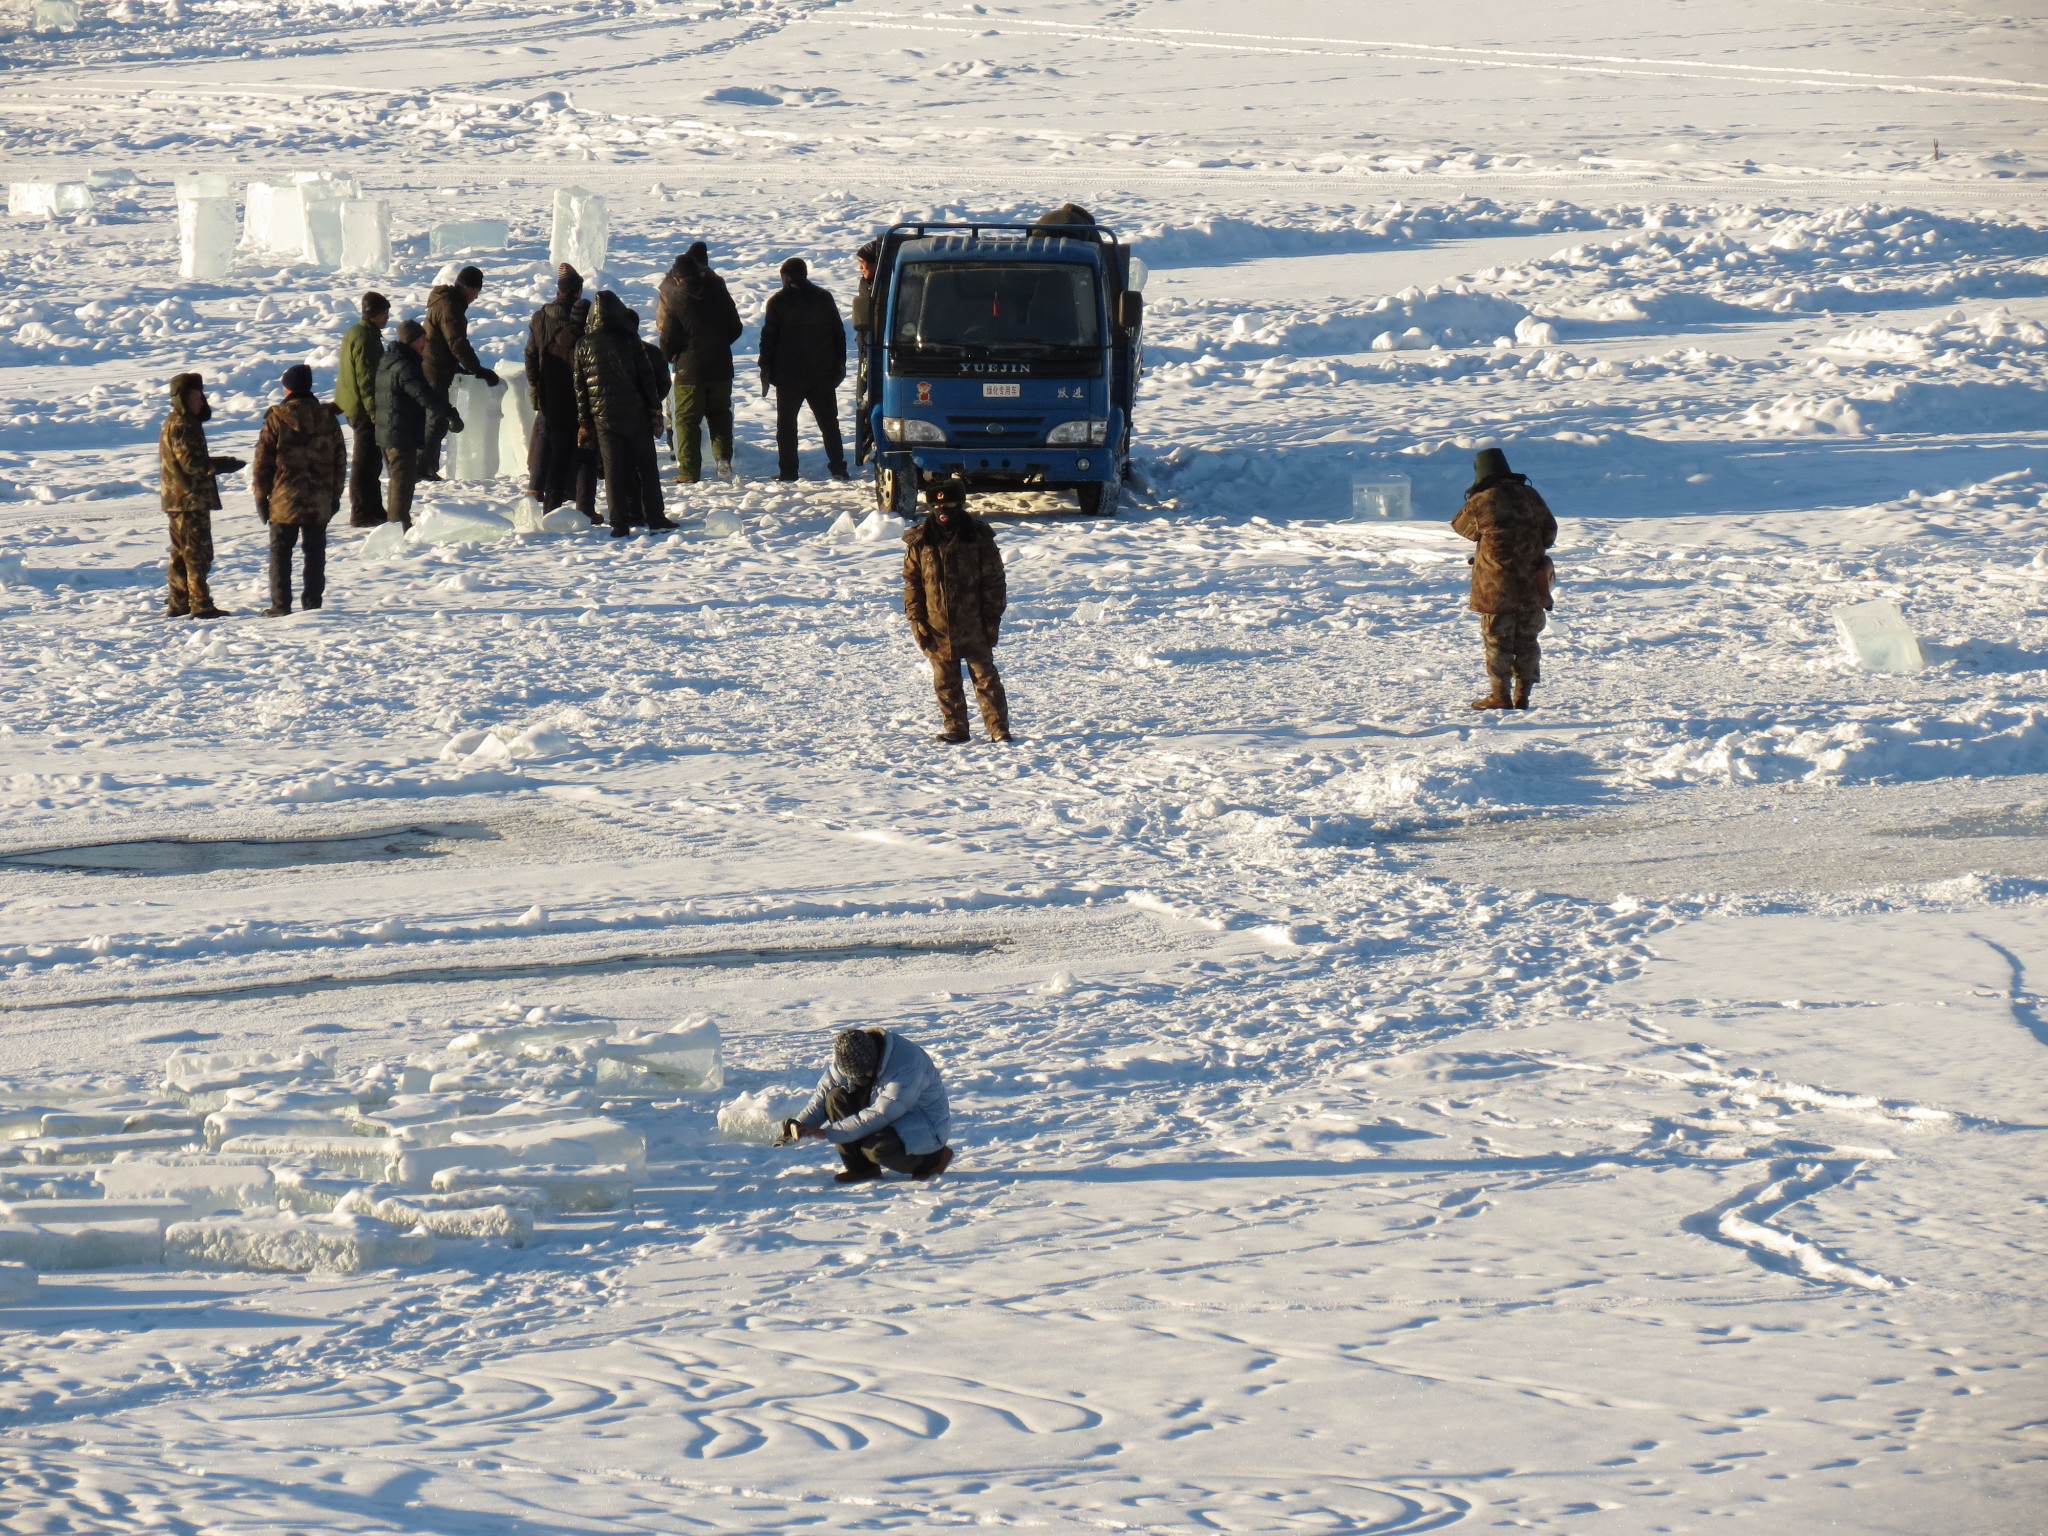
<point>1101,500</point>
<point>896,490</point>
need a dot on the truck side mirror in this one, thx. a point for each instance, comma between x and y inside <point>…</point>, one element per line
<point>1130,310</point>
<point>863,311</point>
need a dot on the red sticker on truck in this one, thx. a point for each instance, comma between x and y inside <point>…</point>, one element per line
<point>924,394</point>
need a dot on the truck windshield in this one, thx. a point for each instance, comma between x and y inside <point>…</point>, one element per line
<point>994,308</point>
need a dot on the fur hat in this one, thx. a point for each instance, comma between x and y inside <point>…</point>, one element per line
<point>857,1053</point>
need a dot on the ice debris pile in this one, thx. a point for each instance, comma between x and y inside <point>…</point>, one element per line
<point>261,1160</point>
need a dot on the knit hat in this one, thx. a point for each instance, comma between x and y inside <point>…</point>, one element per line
<point>298,380</point>
<point>374,303</point>
<point>470,277</point>
<point>568,283</point>
<point>579,312</point>
<point>410,331</point>
<point>795,267</point>
<point>856,1053</point>
<point>699,253</point>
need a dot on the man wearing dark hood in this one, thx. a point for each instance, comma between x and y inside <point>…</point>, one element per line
<point>698,323</point>
<point>563,467</point>
<point>449,352</point>
<point>355,394</point>
<point>301,465</point>
<point>954,593</point>
<point>618,412</point>
<point>803,358</point>
<point>190,497</point>
<point>1511,574</point>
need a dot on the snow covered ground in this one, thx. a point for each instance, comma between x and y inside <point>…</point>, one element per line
<point>1374,1117</point>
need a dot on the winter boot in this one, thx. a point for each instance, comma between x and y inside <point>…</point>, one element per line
<point>663,522</point>
<point>621,533</point>
<point>839,471</point>
<point>1498,699</point>
<point>931,1167</point>
<point>948,739</point>
<point>857,1170</point>
<point>275,612</point>
<point>1521,694</point>
<point>210,612</point>
<point>176,613</point>
<point>723,469</point>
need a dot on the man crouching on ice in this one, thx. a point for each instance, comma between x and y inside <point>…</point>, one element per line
<point>882,1104</point>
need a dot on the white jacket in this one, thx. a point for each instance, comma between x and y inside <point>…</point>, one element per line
<point>908,1095</point>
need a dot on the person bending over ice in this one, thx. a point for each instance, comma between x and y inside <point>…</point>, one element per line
<point>1511,574</point>
<point>882,1103</point>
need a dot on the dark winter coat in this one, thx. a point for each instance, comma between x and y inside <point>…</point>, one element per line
<point>1513,528</point>
<point>954,591</point>
<point>616,388</point>
<point>448,348</point>
<point>188,470</point>
<point>557,396</point>
<point>698,323</point>
<point>301,463</point>
<point>406,401</point>
<point>355,380</point>
<point>549,383</point>
<point>803,340</point>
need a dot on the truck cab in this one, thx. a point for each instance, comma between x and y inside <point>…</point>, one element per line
<point>1003,357</point>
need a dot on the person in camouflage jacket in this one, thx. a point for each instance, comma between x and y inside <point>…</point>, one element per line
<point>618,411</point>
<point>954,594</point>
<point>301,466</point>
<point>191,495</point>
<point>1511,574</point>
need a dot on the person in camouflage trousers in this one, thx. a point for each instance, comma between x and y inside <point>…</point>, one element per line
<point>954,594</point>
<point>1511,574</point>
<point>301,466</point>
<point>191,495</point>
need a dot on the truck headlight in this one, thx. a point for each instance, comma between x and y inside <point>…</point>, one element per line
<point>1078,434</point>
<point>912,429</point>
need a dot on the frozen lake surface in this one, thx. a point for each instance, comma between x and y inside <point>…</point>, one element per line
<point>1372,1117</point>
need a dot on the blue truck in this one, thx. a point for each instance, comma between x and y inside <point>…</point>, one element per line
<point>1002,357</point>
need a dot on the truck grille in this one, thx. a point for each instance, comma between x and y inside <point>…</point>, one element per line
<point>1004,430</point>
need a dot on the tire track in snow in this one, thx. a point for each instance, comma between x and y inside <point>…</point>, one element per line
<point>1744,1222</point>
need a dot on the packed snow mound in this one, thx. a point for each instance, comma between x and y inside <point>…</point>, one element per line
<point>1903,405</point>
<point>1207,241</point>
<point>1452,315</point>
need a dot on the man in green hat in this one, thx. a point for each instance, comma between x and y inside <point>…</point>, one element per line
<point>1511,574</point>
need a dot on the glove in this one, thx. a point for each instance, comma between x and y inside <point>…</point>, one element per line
<point>926,640</point>
<point>585,439</point>
<point>454,422</point>
<point>227,466</point>
<point>789,1133</point>
<point>764,386</point>
<point>656,424</point>
<point>489,378</point>
<point>263,509</point>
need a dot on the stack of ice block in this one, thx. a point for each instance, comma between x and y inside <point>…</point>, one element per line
<point>206,237</point>
<point>261,1160</point>
<point>515,421</point>
<point>473,452</point>
<point>300,219</point>
<point>461,235</point>
<point>46,199</point>
<point>365,234</point>
<point>582,232</point>
<point>1380,496</point>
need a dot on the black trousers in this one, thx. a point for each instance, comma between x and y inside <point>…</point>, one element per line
<point>884,1149</point>
<point>632,477</point>
<point>366,470</point>
<point>562,471</point>
<point>313,538</point>
<point>824,404</point>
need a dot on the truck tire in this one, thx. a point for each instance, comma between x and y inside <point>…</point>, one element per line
<point>896,490</point>
<point>1101,500</point>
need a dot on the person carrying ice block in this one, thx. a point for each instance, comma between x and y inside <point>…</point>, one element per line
<point>883,1104</point>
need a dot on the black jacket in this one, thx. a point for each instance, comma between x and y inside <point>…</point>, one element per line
<point>549,382</point>
<point>405,400</point>
<point>698,323</point>
<point>616,387</point>
<point>803,340</point>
